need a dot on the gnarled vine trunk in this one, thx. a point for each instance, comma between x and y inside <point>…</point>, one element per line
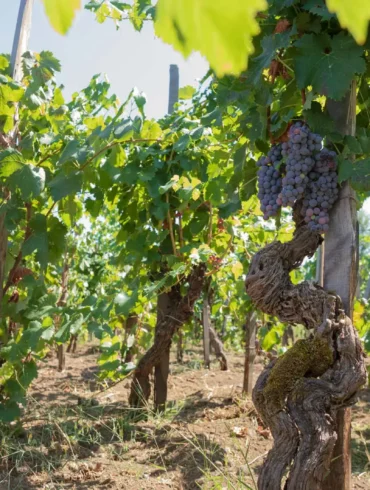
<point>298,395</point>
<point>179,311</point>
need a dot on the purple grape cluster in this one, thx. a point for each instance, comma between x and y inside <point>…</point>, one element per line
<point>299,169</point>
<point>270,181</point>
<point>299,152</point>
<point>322,191</point>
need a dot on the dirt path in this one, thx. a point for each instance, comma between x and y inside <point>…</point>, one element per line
<point>76,437</point>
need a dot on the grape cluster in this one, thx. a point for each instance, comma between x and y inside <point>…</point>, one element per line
<point>322,191</point>
<point>299,162</point>
<point>299,169</point>
<point>270,181</point>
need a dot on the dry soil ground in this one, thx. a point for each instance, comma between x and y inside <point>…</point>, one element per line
<point>75,436</point>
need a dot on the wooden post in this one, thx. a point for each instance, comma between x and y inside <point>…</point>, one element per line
<point>21,38</point>
<point>206,337</point>
<point>320,265</point>
<point>340,276</point>
<point>174,88</point>
<point>250,351</point>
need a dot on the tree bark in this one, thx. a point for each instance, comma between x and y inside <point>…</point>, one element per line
<point>206,335</point>
<point>250,351</point>
<point>297,395</point>
<point>180,347</point>
<point>131,323</point>
<point>3,251</point>
<point>340,275</point>
<point>162,369</point>
<point>72,346</point>
<point>61,358</point>
<point>218,347</point>
<point>181,311</point>
<point>62,301</point>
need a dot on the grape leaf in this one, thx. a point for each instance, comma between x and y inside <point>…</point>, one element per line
<point>358,173</point>
<point>186,92</point>
<point>64,185</point>
<point>249,181</point>
<point>61,13</point>
<point>4,62</point>
<point>270,45</point>
<point>353,15</point>
<point>328,64</point>
<point>318,7</point>
<point>222,31</point>
<point>29,180</point>
<point>10,161</point>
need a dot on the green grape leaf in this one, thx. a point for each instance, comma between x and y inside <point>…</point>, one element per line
<point>4,62</point>
<point>10,161</point>
<point>124,130</point>
<point>124,303</point>
<point>222,31</point>
<point>353,15</point>
<point>29,180</point>
<point>186,92</point>
<point>65,185</point>
<point>328,64</point>
<point>357,172</point>
<point>140,101</point>
<point>61,13</point>
<point>31,337</point>
<point>249,181</point>
<point>9,411</point>
<point>151,130</point>
<point>270,45</point>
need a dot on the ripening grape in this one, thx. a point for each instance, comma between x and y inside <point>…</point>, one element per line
<point>270,181</point>
<point>309,175</point>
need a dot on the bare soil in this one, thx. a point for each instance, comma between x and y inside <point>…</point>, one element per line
<point>78,434</point>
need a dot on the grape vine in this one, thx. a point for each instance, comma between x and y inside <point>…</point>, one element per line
<point>299,168</point>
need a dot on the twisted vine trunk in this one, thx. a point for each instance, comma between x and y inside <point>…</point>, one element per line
<point>179,311</point>
<point>298,395</point>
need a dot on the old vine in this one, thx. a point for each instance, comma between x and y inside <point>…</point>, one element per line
<point>298,394</point>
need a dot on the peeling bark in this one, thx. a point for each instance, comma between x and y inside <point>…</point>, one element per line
<point>181,311</point>
<point>298,395</point>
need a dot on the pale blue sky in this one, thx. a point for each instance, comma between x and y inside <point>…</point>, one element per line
<point>127,57</point>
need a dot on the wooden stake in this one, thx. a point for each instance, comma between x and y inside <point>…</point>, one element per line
<point>173,95</point>
<point>340,276</point>
<point>21,38</point>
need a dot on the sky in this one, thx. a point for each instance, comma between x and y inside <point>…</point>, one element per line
<point>128,58</point>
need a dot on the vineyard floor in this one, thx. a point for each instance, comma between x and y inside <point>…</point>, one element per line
<point>76,436</point>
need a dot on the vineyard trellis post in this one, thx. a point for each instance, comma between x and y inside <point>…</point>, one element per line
<point>340,276</point>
